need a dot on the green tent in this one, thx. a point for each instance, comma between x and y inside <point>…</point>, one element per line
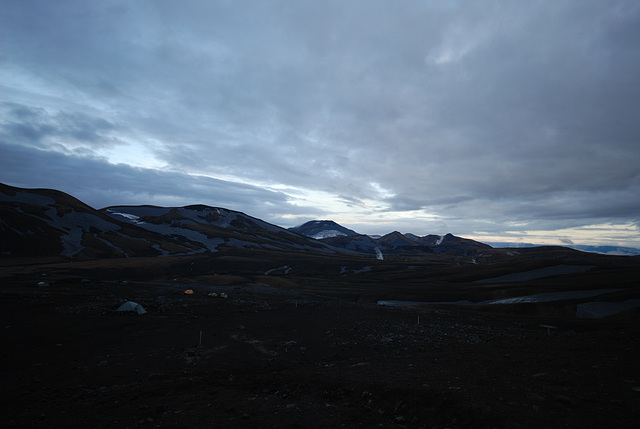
<point>132,306</point>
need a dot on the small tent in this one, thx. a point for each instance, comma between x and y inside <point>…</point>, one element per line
<point>132,306</point>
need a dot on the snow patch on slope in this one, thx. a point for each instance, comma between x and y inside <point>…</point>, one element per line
<point>72,235</point>
<point>285,268</point>
<point>328,233</point>
<point>130,217</point>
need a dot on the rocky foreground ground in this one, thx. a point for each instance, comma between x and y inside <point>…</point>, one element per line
<point>269,358</point>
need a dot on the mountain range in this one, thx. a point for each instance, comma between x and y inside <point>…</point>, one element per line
<point>44,222</point>
<point>395,243</point>
<point>51,223</point>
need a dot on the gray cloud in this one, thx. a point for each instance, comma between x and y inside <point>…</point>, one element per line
<point>477,113</point>
<point>100,184</point>
<point>36,126</point>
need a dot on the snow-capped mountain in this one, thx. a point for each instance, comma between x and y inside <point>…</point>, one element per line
<point>320,229</point>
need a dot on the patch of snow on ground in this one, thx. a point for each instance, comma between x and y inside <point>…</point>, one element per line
<point>72,235</point>
<point>234,242</point>
<point>71,242</point>
<point>224,221</point>
<point>110,244</point>
<point>140,210</point>
<point>159,249</point>
<point>328,233</point>
<point>75,219</point>
<point>552,296</point>
<point>344,270</point>
<point>131,217</point>
<point>22,233</point>
<point>285,268</point>
<point>195,236</point>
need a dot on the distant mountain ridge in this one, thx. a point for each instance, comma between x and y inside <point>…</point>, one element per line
<point>605,250</point>
<point>45,222</point>
<point>393,243</point>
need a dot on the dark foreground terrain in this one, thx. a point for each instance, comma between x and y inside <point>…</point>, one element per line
<point>267,357</point>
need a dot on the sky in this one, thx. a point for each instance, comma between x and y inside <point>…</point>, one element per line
<point>495,120</point>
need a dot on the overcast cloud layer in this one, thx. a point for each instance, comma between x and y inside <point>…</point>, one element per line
<point>496,119</point>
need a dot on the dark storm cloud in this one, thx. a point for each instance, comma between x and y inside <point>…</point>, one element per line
<point>493,112</point>
<point>36,126</point>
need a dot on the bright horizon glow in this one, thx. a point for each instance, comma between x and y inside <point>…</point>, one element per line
<point>622,235</point>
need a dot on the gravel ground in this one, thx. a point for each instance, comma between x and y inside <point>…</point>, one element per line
<point>265,357</point>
